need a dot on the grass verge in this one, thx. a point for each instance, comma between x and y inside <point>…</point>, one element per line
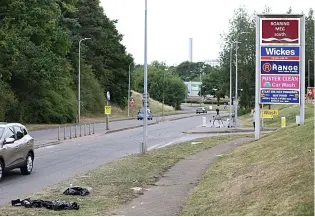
<point>117,113</point>
<point>111,184</point>
<point>270,177</point>
<point>284,111</point>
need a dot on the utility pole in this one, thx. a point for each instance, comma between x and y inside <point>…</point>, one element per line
<point>79,80</point>
<point>309,73</point>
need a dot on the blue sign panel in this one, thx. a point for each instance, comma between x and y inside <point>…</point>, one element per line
<point>280,53</point>
<point>280,67</point>
<point>280,96</point>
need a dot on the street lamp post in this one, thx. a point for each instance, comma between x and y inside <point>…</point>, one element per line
<point>145,94</point>
<point>79,80</point>
<point>163,95</point>
<point>230,85</point>
<point>236,82</point>
<point>129,91</point>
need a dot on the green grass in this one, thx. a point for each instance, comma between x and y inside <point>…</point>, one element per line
<point>289,112</point>
<point>271,176</point>
<point>111,184</point>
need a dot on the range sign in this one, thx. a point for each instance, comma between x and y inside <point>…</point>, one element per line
<point>280,31</point>
<point>280,67</point>
<point>280,53</point>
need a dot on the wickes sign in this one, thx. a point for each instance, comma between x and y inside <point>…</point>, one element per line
<point>280,53</point>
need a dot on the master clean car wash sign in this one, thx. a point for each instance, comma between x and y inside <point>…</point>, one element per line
<point>280,66</point>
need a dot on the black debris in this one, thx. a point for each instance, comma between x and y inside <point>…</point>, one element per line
<point>54,205</point>
<point>76,191</point>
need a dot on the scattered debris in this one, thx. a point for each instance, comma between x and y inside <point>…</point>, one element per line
<point>76,191</point>
<point>53,205</point>
<point>195,143</point>
<point>218,155</point>
<point>138,190</point>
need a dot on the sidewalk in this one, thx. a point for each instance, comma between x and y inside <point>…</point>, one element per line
<point>171,191</point>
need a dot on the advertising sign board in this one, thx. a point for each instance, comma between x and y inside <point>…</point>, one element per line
<point>280,82</point>
<point>280,31</point>
<point>280,67</point>
<point>280,53</point>
<point>280,96</point>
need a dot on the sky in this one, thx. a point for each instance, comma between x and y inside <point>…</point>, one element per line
<point>172,22</point>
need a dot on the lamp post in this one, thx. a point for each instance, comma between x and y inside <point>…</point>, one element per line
<point>129,91</point>
<point>236,82</point>
<point>145,94</point>
<point>79,79</point>
<point>230,116</point>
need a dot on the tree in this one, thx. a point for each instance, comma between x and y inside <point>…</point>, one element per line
<point>213,84</point>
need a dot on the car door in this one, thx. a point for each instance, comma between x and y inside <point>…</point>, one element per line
<point>21,144</point>
<point>9,150</point>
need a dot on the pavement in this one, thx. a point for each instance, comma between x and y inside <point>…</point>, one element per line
<point>59,163</point>
<point>169,193</point>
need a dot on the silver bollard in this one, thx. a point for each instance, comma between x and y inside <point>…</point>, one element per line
<point>64,133</point>
<point>75,131</point>
<point>89,128</point>
<point>80,130</point>
<point>93,129</point>
<point>70,132</point>
<point>58,133</point>
<point>84,129</point>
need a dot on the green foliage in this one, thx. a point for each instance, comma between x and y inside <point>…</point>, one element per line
<point>213,84</point>
<point>190,71</point>
<point>161,80</point>
<point>39,60</point>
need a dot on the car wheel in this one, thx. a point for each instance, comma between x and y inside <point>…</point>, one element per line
<point>28,167</point>
<point>1,170</point>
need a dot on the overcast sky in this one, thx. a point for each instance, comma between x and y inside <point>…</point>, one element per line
<point>172,22</point>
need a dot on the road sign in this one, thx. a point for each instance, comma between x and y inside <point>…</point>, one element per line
<point>280,67</point>
<point>108,96</point>
<point>310,91</point>
<point>132,103</point>
<point>280,31</point>
<point>107,110</point>
<point>269,113</point>
<point>280,53</point>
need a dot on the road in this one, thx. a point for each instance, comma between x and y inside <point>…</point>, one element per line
<point>50,135</point>
<point>54,164</point>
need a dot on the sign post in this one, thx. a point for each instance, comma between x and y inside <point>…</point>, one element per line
<point>280,62</point>
<point>107,103</point>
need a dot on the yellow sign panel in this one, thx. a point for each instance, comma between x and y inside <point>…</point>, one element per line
<point>269,113</point>
<point>108,110</point>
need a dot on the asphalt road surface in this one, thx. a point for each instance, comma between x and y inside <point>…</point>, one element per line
<point>61,162</point>
<point>49,135</point>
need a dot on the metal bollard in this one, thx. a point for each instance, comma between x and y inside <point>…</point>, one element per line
<point>84,129</point>
<point>64,133</point>
<point>75,131</point>
<point>70,132</point>
<point>58,133</point>
<point>93,129</point>
<point>89,128</point>
<point>80,130</point>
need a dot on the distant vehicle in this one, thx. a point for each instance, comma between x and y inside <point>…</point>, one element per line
<point>16,148</point>
<point>201,110</point>
<point>141,114</point>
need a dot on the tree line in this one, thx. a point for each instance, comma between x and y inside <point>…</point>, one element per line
<point>39,60</point>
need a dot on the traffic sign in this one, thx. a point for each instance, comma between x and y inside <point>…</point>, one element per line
<point>108,96</point>
<point>107,110</point>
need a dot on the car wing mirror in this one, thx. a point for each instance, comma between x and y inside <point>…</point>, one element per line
<point>9,141</point>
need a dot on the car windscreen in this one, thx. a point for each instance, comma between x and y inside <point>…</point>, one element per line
<point>1,131</point>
